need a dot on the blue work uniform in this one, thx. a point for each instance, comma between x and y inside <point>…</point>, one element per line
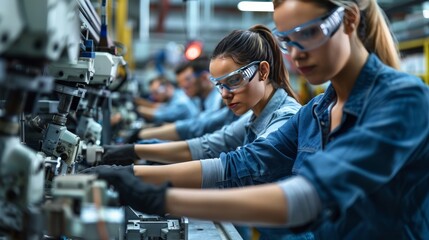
<point>212,117</point>
<point>206,123</point>
<point>178,107</point>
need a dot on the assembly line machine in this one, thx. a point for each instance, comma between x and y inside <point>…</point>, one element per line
<point>61,48</point>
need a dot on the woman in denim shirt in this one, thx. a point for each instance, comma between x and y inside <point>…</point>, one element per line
<point>248,70</point>
<point>359,153</point>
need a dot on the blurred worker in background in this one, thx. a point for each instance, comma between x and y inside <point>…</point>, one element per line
<point>193,78</point>
<point>169,104</point>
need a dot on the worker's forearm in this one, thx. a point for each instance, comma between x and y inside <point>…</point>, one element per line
<point>145,103</point>
<point>165,132</point>
<point>147,113</point>
<point>170,152</point>
<point>184,175</point>
<point>235,205</point>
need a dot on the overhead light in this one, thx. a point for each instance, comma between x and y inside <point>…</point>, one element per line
<point>426,13</point>
<point>425,7</point>
<point>250,6</point>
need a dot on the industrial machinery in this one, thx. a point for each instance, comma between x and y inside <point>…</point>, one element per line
<point>61,46</point>
<point>106,66</point>
<point>30,40</point>
<point>59,144</point>
<point>83,207</point>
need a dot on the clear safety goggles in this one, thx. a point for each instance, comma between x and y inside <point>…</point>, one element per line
<point>236,79</point>
<point>312,34</point>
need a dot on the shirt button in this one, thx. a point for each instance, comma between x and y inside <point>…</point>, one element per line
<point>322,123</point>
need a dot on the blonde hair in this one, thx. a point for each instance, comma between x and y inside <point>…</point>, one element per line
<point>373,29</point>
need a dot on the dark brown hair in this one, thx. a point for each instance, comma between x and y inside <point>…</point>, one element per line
<point>256,44</point>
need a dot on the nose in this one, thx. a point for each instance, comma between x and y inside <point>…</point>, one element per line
<point>295,53</point>
<point>225,93</point>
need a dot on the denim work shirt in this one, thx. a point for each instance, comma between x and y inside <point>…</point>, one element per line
<point>245,130</point>
<point>206,123</point>
<point>371,172</point>
<point>212,102</point>
<point>178,107</point>
<point>212,118</point>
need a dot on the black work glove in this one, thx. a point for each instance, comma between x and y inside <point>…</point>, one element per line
<point>119,154</point>
<point>133,191</point>
<point>133,136</point>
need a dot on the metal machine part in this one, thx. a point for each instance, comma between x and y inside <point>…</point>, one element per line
<point>88,128</point>
<point>82,207</point>
<point>140,226</point>
<point>89,17</point>
<point>106,67</point>
<point>21,190</point>
<point>147,227</point>
<point>12,28</point>
<point>38,30</point>
<point>92,154</point>
<point>61,143</point>
<point>80,70</point>
<point>57,140</point>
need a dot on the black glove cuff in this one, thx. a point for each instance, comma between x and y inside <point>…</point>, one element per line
<point>151,201</point>
<point>128,168</point>
<point>133,137</point>
<point>163,204</point>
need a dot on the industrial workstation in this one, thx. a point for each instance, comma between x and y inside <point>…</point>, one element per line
<point>204,119</point>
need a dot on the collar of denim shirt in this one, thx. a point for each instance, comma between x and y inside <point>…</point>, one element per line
<point>258,124</point>
<point>364,83</point>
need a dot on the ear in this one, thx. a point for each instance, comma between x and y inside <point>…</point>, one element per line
<point>351,19</point>
<point>264,70</point>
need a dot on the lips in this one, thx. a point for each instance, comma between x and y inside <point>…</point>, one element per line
<point>306,70</point>
<point>232,105</point>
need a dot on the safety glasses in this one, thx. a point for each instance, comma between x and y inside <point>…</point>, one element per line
<point>236,79</point>
<point>312,34</point>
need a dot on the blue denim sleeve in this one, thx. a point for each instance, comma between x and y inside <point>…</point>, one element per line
<point>279,118</point>
<point>265,160</point>
<point>174,112</point>
<point>226,139</point>
<point>369,160</point>
<point>204,123</point>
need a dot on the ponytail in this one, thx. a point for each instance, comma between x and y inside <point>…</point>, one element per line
<point>377,37</point>
<point>278,71</point>
<point>373,30</point>
<point>256,44</point>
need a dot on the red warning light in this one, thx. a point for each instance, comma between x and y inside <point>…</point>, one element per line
<point>193,50</point>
